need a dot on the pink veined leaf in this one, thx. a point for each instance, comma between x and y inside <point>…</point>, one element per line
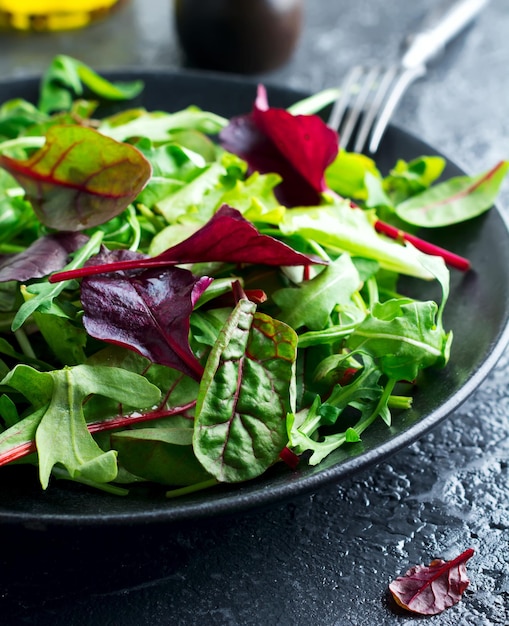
<point>297,147</point>
<point>47,254</point>
<point>432,589</point>
<point>148,312</point>
<point>80,178</point>
<point>227,237</point>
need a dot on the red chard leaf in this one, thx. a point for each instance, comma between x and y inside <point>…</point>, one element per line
<point>230,238</point>
<point>47,254</point>
<point>79,178</point>
<point>226,238</point>
<point>297,147</point>
<point>432,589</point>
<point>148,311</point>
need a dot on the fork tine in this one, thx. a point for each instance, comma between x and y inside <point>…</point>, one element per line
<point>373,109</point>
<point>341,104</point>
<point>351,118</point>
<point>397,92</point>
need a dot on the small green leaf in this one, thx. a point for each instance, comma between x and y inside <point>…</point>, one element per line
<point>347,174</point>
<point>351,436</point>
<point>58,424</point>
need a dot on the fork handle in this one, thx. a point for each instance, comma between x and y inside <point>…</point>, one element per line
<point>441,29</point>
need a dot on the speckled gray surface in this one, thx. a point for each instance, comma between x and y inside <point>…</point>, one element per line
<point>325,558</point>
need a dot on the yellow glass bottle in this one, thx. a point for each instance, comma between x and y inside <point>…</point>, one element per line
<point>50,15</point>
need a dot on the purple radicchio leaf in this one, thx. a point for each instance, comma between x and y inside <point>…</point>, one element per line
<point>46,255</point>
<point>297,147</point>
<point>227,237</point>
<point>147,311</point>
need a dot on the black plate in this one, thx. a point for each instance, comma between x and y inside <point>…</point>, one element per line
<point>477,312</point>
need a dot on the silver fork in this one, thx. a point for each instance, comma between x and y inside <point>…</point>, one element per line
<point>369,95</point>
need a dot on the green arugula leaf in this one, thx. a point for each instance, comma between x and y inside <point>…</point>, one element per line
<point>61,434</point>
<point>403,334</point>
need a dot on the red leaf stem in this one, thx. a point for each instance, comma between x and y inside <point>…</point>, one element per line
<point>119,421</point>
<point>347,375</point>
<point>18,452</point>
<point>289,457</point>
<point>450,258</point>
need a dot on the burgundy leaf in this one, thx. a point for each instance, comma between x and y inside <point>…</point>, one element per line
<point>47,254</point>
<point>227,237</point>
<point>297,147</point>
<point>431,590</point>
<point>148,311</point>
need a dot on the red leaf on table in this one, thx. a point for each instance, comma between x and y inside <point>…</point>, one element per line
<point>147,311</point>
<point>432,589</point>
<point>297,147</point>
<point>226,238</point>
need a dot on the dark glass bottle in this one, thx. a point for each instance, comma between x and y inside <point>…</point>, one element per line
<point>242,36</point>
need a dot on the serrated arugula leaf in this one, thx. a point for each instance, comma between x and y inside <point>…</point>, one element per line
<point>404,336</point>
<point>61,434</point>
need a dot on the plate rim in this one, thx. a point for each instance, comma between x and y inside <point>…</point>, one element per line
<point>236,502</point>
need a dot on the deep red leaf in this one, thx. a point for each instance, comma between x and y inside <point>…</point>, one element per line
<point>227,237</point>
<point>297,147</point>
<point>146,311</point>
<point>432,589</point>
<point>47,254</point>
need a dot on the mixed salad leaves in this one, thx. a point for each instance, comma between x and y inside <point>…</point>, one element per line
<point>188,300</point>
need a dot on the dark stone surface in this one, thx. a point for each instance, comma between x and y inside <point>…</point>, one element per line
<point>325,558</point>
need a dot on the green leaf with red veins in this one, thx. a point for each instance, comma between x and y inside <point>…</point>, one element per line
<point>79,178</point>
<point>245,395</point>
<point>455,200</point>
